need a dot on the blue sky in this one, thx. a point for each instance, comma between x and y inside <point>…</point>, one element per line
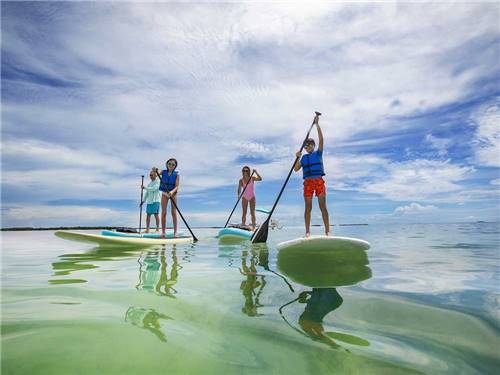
<point>94,94</point>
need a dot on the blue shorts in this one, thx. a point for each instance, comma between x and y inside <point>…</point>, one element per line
<point>153,208</point>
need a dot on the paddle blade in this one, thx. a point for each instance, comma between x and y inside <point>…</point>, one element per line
<point>260,234</point>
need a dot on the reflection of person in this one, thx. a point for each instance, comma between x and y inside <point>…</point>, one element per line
<point>250,284</point>
<point>249,194</point>
<point>164,281</point>
<point>313,172</point>
<point>148,319</point>
<point>321,302</point>
<point>152,200</point>
<point>149,274</point>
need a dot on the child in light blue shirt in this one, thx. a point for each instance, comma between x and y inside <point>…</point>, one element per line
<point>152,199</point>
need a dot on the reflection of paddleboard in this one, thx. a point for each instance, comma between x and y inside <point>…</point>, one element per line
<point>329,243</point>
<point>234,234</point>
<point>99,239</point>
<point>319,266</point>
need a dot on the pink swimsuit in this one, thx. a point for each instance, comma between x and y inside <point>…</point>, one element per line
<point>249,191</point>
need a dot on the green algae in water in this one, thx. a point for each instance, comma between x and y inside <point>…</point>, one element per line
<point>212,308</point>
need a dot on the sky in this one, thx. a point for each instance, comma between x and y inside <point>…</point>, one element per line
<point>96,93</point>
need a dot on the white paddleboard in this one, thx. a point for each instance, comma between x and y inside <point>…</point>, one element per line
<point>99,239</point>
<point>324,243</point>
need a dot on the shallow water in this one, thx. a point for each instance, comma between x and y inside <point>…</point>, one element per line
<point>423,299</point>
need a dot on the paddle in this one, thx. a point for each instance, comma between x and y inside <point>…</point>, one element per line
<point>260,234</point>
<point>180,214</point>
<point>140,206</point>
<point>243,192</point>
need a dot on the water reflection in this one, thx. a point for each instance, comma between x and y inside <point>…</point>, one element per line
<point>323,268</point>
<point>253,286</point>
<point>70,263</point>
<point>147,319</point>
<point>252,257</point>
<point>323,271</point>
<point>153,272</point>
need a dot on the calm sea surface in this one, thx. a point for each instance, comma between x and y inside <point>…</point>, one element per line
<point>423,299</point>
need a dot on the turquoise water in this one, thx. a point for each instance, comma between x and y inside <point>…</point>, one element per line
<point>423,299</point>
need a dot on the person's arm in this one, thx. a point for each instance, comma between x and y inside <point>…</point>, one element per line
<point>257,176</point>
<point>176,188</point>
<point>153,187</point>
<point>320,134</point>
<point>239,187</point>
<point>297,165</point>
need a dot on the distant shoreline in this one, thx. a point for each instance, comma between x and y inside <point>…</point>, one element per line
<point>110,228</point>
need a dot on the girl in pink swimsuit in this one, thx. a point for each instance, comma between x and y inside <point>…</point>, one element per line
<point>249,194</point>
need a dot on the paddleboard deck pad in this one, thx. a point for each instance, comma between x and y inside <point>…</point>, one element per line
<point>168,234</point>
<point>324,243</point>
<point>115,240</point>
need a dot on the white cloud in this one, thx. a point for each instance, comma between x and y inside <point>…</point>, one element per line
<point>418,180</point>
<point>495,181</point>
<point>212,83</point>
<point>487,137</point>
<point>46,216</point>
<point>414,208</point>
<point>440,144</point>
<point>25,153</point>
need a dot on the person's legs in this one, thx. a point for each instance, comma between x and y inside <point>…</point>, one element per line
<point>308,194</point>
<point>174,214</point>
<point>244,206</point>
<point>307,214</point>
<point>252,212</point>
<point>164,201</point>
<point>148,219</point>
<point>324,213</point>
<point>157,219</point>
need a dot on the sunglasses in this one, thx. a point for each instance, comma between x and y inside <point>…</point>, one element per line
<point>246,170</point>
<point>171,164</point>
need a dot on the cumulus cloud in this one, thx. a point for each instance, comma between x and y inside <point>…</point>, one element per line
<point>419,179</point>
<point>414,208</point>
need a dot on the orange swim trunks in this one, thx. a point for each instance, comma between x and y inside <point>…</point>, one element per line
<point>314,185</point>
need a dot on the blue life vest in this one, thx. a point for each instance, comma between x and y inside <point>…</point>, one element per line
<point>167,182</point>
<point>312,165</point>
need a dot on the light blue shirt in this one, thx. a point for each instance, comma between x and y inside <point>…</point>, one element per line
<point>153,193</point>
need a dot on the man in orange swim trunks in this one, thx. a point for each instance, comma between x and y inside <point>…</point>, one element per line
<point>313,172</point>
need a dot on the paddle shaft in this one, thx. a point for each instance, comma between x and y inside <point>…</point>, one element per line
<point>238,201</point>
<point>265,225</point>
<point>180,213</point>
<point>140,206</point>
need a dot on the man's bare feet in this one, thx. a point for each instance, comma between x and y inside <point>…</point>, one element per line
<point>307,235</point>
<point>327,234</point>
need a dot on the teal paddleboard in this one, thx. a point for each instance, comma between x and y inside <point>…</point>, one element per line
<point>234,234</point>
